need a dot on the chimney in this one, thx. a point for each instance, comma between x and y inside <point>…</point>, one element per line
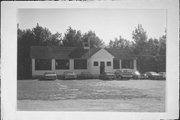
<point>86,44</point>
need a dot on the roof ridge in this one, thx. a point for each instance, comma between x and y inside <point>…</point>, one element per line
<point>74,52</point>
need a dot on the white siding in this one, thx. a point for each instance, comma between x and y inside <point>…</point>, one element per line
<point>53,64</point>
<point>33,67</point>
<point>104,56</point>
<point>120,65</point>
<point>135,64</point>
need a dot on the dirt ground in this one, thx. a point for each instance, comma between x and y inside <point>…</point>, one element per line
<point>91,95</point>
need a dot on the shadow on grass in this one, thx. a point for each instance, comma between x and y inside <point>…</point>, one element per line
<point>41,79</point>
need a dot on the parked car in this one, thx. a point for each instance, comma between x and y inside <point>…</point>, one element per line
<point>137,75</point>
<point>124,73</point>
<point>107,76</point>
<point>144,76</point>
<point>153,75</point>
<point>85,75</point>
<point>163,75</point>
<point>50,75</point>
<point>69,75</point>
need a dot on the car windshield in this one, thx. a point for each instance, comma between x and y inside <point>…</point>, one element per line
<point>126,70</point>
<point>49,72</point>
<point>153,73</point>
<point>118,71</point>
<point>137,72</point>
<point>162,73</point>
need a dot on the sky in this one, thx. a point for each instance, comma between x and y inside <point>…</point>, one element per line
<point>107,23</point>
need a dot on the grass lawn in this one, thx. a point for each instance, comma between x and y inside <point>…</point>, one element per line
<point>128,95</point>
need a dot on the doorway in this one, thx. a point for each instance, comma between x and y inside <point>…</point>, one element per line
<point>102,67</point>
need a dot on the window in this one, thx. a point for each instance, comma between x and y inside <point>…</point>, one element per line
<point>116,64</point>
<point>80,64</point>
<point>127,64</point>
<point>62,64</point>
<point>42,64</point>
<point>108,63</point>
<point>95,63</point>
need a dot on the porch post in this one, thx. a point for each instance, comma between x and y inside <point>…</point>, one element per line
<point>33,66</point>
<point>53,64</point>
<point>71,64</point>
<point>135,63</point>
<point>89,64</point>
<point>120,66</point>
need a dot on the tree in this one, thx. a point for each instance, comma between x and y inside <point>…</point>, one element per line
<point>54,40</point>
<point>140,39</point>
<point>42,35</point>
<point>25,40</point>
<point>72,38</point>
<point>111,43</point>
<point>152,47</point>
<point>145,50</point>
<point>162,53</point>
<point>162,45</point>
<point>151,53</point>
<point>38,36</point>
<point>120,43</point>
<point>93,39</point>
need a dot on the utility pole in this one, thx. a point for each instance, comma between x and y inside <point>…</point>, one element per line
<point>89,46</point>
<point>86,45</point>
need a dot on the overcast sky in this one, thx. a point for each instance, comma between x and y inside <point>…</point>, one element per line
<point>107,23</point>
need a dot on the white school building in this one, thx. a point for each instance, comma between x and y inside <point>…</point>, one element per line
<point>61,59</point>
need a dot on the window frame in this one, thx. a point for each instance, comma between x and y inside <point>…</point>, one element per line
<point>118,67</point>
<point>128,62</point>
<point>108,64</point>
<point>63,63</point>
<point>39,67</point>
<point>96,62</point>
<point>80,68</point>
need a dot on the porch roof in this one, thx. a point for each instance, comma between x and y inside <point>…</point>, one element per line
<point>121,53</point>
<point>46,52</point>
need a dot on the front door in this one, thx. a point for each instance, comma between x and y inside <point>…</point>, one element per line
<point>102,67</point>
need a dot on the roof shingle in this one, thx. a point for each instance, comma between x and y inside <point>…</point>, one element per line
<point>121,53</point>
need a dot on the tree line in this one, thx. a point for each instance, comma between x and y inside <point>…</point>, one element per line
<point>150,52</point>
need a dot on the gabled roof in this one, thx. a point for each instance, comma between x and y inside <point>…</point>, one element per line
<point>78,53</point>
<point>91,52</point>
<point>40,52</point>
<point>121,53</point>
<point>46,52</point>
<point>62,52</point>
